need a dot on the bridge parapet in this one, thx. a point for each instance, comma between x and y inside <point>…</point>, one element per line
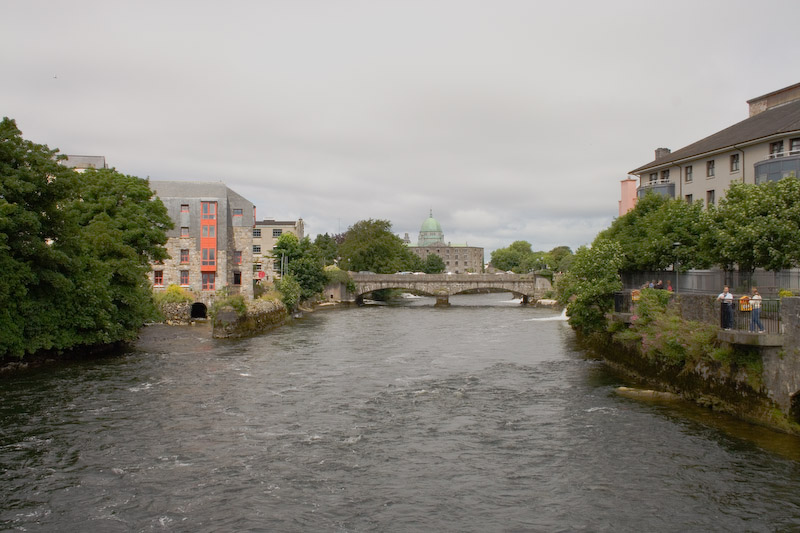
<point>444,285</point>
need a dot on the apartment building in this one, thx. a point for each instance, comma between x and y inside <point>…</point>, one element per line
<point>265,235</point>
<point>763,147</point>
<point>212,241</point>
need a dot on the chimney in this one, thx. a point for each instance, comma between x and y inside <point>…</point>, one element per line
<point>661,153</point>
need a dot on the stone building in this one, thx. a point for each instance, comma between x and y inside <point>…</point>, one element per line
<point>80,163</point>
<point>265,235</point>
<point>211,245</point>
<point>763,147</point>
<point>458,258</point>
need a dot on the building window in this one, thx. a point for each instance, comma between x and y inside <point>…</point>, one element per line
<point>237,257</point>
<point>256,248</point>
<point>208,281</point>
<point>210,232</point>
<point>185,255</point>
<point>276,233</point>
<point>276,265</point>
<point>654,177</point>
<point>256,267</point>
<point>184,231</point>
<point>209,210</point>
<point>735,163</point>
<point>209,257</point>
<point>688,174</point>
<point>257,233</point>
<point>709,198</point>
<point>665,175</point>
<point>158,278</point>
<point>184,278</point>
<point>688,198</point>
<point>237,278</point>
<point>184,208</point>
<point>776,149</point>
<point>794,147</point>
<point>710,169</point>
<point>237,212</point>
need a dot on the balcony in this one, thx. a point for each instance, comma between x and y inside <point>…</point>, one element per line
<point>777,166</point>
<point>663,187</point>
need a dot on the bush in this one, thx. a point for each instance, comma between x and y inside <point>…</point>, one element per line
<point>173,294</point>
<point>290,291</point>
<point>237,302</point>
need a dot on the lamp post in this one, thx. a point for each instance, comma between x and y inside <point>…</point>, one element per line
<point>675,265</point>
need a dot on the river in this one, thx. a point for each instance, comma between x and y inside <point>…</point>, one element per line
<point>484,416</point>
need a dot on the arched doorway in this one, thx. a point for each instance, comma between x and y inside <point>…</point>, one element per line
<point>199,310</point>
<point>794,409</point>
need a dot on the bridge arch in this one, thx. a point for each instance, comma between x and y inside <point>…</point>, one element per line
<point>441,286</point>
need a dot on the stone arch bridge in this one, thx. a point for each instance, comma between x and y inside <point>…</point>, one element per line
<point>529,286</point>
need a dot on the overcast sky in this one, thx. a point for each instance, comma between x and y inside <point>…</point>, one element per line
<point>511,120</point>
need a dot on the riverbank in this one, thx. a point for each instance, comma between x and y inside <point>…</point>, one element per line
<point>658,344</point>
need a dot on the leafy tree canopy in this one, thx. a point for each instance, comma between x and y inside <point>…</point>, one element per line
<point>587,289</point>
<point>758,226</point>
<point>433,264</point>
<point>370,245</point>
<point>74,250</point>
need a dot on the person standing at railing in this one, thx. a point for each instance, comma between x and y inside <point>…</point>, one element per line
<point>755,314</point>
<point>727,307</point>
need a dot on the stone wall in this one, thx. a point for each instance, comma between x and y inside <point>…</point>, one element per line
<point>261,316</point>
<point>176,314</point>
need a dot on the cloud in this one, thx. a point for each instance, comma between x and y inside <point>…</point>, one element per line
<point>513,121</point>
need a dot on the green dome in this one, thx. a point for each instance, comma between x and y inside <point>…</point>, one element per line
<point>431,224</point>
<point>431,232</point>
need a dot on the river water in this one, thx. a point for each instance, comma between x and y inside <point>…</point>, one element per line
<point>484,416</point>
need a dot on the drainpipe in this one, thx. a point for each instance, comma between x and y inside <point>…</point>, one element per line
<point>680,182</point>
<point>744,168</point>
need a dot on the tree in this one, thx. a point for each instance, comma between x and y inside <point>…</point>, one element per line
<point>32,229</point>
<point>757,226</point>
<point>74,250</point>
<point>121,229</point>
<point>587,289</point>
<point>433,264</point>
<point>650,232</point>
<point>370,245</point>
<point>328,248</point>
<point>559,258</point>
<point>512,257</point>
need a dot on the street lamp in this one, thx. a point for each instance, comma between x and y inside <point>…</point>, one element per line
<point>675,265</point>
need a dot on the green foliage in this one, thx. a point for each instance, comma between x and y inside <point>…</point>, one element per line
<point>649,233</point>
<point>174,294</point>
<point>754,226</point>
<point>328,248</point>
<point>757,226</point>
<point>785,293</point>
<point>235,302</point>
<point>290,291</point>
<point>74,250</point>
<point>587,290</point>
<point>335,274</point>
<point>309,274</point>
<point>433,264</point>
<point>520,258</point>
<point>370,245</point>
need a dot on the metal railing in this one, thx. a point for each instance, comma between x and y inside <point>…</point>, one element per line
<point>711,281</point>
<point>769,316</point>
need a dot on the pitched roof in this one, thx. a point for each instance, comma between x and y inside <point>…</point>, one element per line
<point>189,189</point>
<point>780,119</point>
